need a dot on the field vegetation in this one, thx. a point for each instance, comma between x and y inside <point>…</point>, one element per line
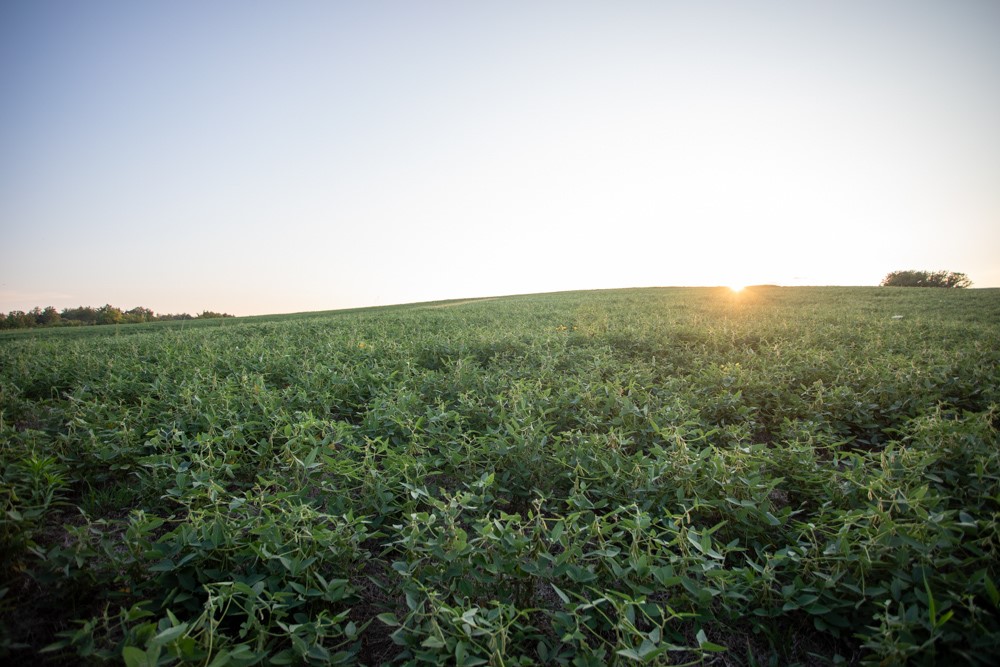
<point>657,476</point>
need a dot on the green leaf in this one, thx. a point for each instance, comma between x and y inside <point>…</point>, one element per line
<point>665,576</point>
<point>221,659</point>
<point>319,654</point>
<point>136,612</point>
<point>461,653</point>
<point>169,635</point>
<point>931,604</point>
<point>542,650</point>
<point>165,565</point>
<point>341,658</point>
<point>818,609</point>
<point>706,645</point>
<point>389,619</point>
<point>991,590</point>
<point>646,648</point>
<point>630,653</point>
<point>310,459</point>
<point>286,657</point>
<point>562,596</point>
<point>134,657</point>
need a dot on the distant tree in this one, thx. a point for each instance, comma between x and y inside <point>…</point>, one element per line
<point>85,315</point>
<point>81,314</point>
<point>139,314</point>
<point>49,317</point>
<point>18,319</point>
<point>108,314</point>
<point>926,279</point>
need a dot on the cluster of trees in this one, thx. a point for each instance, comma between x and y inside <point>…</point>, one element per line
<point>926,279</point>
<point>85,315</point>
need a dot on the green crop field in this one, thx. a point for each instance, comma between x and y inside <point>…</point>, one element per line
<point>650,476</point>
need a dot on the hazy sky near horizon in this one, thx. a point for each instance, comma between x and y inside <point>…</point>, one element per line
<point>265,157</point>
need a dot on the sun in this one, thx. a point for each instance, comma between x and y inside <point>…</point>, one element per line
<point>736,289</point>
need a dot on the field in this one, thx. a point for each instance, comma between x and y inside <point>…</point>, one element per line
<point>658,476</point>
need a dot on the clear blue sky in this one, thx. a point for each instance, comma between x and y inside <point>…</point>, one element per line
<point>264,157</point>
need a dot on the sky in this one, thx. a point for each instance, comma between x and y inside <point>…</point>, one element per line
<point>270,157</point>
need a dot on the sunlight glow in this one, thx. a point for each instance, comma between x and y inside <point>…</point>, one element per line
<point>736,289</point>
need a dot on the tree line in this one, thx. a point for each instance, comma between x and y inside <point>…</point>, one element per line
<point>911,278</point>
<point>86,315</point>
